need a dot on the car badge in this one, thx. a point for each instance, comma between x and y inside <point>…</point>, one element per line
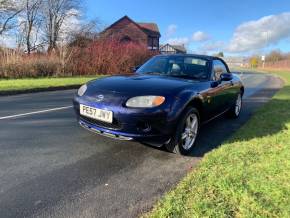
<point>99,98</point>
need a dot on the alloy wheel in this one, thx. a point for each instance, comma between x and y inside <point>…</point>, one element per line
<point>189,133</point>
<point>238,105</point>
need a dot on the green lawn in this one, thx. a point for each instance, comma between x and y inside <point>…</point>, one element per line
<point>248,176</point>
<point>26,84</point>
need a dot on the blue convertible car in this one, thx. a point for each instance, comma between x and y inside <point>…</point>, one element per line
<point>163,103</point>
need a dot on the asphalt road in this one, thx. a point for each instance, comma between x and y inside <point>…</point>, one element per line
<point>51,167</point>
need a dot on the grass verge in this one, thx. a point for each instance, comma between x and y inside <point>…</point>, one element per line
<point>248,176</point>
<point>41,83</point>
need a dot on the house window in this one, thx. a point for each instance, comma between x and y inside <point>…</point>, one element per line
<point>153,43</point>
<point>125,39</point>
<point>150,42</point>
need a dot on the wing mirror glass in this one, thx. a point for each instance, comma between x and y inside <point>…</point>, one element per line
<point>226,77</point>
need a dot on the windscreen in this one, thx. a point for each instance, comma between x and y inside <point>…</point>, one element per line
<point>184,67</point>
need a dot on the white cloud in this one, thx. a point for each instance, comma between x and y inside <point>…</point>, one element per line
<point>7,40</point>
<point>71,24</point>
<point>178,41</point>
<point>257,34</point>
<point>171,30</point>
<point>200,36</point>
<point>212,46</point>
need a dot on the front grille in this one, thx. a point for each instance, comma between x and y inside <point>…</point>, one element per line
<point>115,125</point>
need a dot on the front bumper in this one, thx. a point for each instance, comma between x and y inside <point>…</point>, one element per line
<point>97,130</point>
<point>151,126</point>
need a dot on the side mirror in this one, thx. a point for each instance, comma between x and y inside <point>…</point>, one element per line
<point>136,68</point>
<point>226,77</point>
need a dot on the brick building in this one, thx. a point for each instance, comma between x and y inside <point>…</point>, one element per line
<point>126,30</point>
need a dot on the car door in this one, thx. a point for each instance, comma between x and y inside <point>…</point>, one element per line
<point>220,90</point>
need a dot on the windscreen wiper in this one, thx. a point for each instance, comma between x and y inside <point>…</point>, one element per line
<point>153,73</point>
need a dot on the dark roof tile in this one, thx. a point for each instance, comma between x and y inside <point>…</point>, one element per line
<point>149,26</point>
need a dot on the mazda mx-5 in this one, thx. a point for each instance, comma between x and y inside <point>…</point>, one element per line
<point>163,103</point>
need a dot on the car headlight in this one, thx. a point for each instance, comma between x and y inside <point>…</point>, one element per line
<point>82,90</point>
<point>145,101</point>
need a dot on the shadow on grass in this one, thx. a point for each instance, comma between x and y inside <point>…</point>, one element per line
<point>268,120</point>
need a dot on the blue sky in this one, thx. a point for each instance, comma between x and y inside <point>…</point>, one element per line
<point>207,26</point>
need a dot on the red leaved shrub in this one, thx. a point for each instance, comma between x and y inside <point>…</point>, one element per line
<point>15,64</point>
<point>98,57</point>
<point>108,57</point>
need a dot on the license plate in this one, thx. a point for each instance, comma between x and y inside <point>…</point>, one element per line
<point>95,113</point>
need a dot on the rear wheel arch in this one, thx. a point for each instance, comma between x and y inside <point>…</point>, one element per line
<point>242,89</point>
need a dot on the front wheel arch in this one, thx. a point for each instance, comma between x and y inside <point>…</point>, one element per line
<point>174,145</point>
<point>197,104</point>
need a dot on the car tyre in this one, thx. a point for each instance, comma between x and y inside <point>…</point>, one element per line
<point>235,110</point>
<point>186,133</point>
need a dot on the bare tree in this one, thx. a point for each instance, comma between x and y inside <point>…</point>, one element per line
<point>86,33</point>
<point>9,10</point>
<point>56,11</point>
<point>31,24</point>
<point>275,55</point>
